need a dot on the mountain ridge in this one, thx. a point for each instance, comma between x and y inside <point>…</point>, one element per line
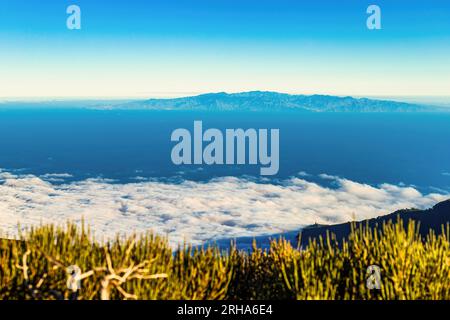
<point>275,101</point>
<point>430,219</point>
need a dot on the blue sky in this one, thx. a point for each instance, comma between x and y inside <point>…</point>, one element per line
<point>156,48</point>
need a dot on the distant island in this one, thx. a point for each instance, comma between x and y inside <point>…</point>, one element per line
<point>245,101</point>
<point>274,101</point>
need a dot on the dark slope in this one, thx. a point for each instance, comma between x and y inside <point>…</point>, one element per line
<point>432,218</point>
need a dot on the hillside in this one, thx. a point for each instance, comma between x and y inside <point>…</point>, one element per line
<point>432,218</point>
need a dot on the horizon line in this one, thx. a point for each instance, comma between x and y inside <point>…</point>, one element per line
<point>175,95</point>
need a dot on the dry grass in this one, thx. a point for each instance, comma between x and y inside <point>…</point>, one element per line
<point>145,267</point>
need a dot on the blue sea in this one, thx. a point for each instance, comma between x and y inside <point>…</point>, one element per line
<point>413,149</point>
<point>61,160</point>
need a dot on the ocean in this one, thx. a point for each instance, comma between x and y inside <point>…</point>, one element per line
<point>114,169</point>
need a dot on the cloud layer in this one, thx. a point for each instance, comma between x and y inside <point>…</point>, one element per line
<point>197,211</point>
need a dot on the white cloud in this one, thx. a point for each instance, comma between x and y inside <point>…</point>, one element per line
<point>327,176</point>
<point>56,175</point>
<point>198,211</point>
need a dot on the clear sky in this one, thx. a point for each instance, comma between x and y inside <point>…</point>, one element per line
<point>160,48</point>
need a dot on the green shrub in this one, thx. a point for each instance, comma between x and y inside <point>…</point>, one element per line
<point>145,267</point>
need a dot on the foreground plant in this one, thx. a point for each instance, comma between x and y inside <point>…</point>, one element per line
<point>52,262</point>
<point>411,267</point>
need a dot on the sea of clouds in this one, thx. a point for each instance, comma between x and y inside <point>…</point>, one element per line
<point>195,212</point>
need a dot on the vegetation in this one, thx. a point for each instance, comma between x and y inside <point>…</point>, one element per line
<point>145,267</point>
